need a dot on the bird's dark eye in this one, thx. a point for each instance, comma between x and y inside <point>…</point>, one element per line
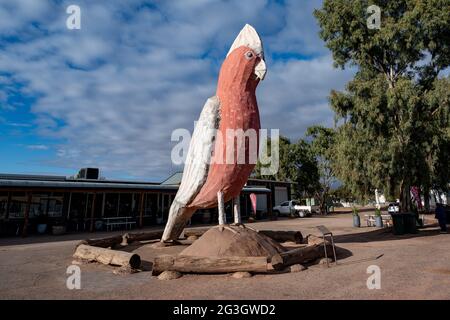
<point>249,55</point>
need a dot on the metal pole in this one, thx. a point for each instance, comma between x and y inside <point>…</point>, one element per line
<point>27,214</point>
<point>70,204</point>
<point>118,205</point>
<point>141,210</point>
<point>8,206</point>
<point>334,250</point>
<point>325,249</point>
<point>103,204</point>
<point>86,208</point>
<point>91,229</point>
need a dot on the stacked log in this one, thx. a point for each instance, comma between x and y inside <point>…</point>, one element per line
<point>143,236</point>
<point>102,242</point>
<point>192,264</point>
<point>95,250</point>
<point>278,262</point>
<point>107,256</point>
<point>125,239</point>
<point>313,251</point>
<point>109,242</point>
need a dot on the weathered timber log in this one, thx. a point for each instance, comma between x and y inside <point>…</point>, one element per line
<point>283,236</point>
<point>107,256</point>
<point>127,238</point>
<point>143,236</point>
<point>301,255</point>
<point>192,264</point>
<point>102,242</point>
<point>123,240</point>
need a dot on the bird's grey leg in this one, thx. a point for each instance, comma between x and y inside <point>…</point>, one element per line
<point>221,207</point>
<point>237,211</point>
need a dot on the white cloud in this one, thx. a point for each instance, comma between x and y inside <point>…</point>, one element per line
<point>113,91</point>
<point>37,147</point>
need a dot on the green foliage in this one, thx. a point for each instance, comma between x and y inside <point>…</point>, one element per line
<point>322,147</point>
<point>377,212</point>
<point>297,164</point>
<point>308,164</point>
<point>355,211</point>
<point>394,114</point>
<point>341,192</point>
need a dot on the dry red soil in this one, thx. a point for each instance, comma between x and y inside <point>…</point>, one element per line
<point>412,267</point>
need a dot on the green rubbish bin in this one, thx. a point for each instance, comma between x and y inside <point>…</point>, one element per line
<point>410,223</point>
<point>404,223</point>
<point>398,223</point>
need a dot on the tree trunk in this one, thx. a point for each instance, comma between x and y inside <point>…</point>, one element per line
<point>406,198</point>
<point>191,264</point>
<point>107,256</point>
<point>144,236</point>
<point>426,198</point>
<point>404,189</point>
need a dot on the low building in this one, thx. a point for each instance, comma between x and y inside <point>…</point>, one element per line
<point>87,203</point>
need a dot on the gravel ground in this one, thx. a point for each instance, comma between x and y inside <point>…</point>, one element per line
<point>412,267</point>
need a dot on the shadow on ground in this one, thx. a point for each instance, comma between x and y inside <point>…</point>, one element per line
<point>385,234</point>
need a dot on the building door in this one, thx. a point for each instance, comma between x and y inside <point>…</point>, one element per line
<point>281,195</point>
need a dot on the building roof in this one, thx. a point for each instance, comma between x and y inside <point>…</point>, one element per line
<point>175,179</point>
<point>14,181</point>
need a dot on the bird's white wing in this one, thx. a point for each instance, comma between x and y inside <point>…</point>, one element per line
<point>199,154</point>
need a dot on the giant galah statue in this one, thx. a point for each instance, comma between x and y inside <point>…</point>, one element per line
<point>208,181</point>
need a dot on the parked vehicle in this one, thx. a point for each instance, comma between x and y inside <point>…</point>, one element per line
<point>286,208</point>
<point>304,210</point>
<point>297,208</point>
<point>394,207</point>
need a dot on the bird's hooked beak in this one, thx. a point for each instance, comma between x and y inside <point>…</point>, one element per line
<point>249,37</point>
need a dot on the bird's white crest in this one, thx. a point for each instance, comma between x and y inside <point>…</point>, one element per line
<point>249,37</point>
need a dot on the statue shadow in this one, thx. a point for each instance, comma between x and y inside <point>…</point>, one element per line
<point>385,234</point>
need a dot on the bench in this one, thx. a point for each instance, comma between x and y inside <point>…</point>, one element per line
<point>370,219</point>
<point>119,221</point>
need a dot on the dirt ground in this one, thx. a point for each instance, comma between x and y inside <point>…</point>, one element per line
<point>412,267</point>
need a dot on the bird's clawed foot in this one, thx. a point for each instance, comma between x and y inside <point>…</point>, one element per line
<point>237,224</point>
<point>230,228</point>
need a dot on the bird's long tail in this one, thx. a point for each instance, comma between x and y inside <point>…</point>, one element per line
<point>179,215</point>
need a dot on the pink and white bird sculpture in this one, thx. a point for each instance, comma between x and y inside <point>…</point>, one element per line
<point>208,181</point>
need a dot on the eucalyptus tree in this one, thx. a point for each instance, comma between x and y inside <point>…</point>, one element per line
<point>394,114</point>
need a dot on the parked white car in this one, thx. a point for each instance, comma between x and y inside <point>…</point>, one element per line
<point>286,208</point>
<point>304,210</point>
<point>295,207</point>
<point>394,207</point>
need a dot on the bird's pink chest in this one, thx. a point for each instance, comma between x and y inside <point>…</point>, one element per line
<point>232,162</point>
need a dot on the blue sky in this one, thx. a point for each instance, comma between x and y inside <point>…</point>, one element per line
<point>110,95</point>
